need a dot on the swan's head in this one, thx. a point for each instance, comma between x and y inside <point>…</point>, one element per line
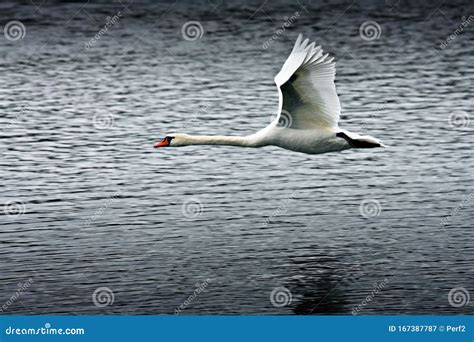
<point>172,140</point>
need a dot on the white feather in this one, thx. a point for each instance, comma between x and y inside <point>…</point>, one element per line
<point>306,88</point>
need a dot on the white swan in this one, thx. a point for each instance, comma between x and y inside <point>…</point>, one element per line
<point>308,112</point>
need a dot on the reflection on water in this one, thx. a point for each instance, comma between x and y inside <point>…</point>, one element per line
<point>321,294</point>
<point>91,205</point>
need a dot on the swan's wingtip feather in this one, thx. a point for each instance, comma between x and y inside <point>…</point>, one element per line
<point>298,42</point>
<point>304,44</point>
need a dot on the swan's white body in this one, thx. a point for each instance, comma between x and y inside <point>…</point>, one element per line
<point>308,113</point>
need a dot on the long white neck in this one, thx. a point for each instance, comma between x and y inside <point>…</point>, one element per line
<point>246,141</point>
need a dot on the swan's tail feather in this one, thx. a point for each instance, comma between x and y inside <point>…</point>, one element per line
<point>367,141</point>
<point>360,141</point>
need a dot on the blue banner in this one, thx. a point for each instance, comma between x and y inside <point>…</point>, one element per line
<point>237,328</point>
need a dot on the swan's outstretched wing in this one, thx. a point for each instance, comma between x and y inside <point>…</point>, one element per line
<point>308,97</point>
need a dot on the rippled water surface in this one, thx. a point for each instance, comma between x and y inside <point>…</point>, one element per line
<point>98,222</point>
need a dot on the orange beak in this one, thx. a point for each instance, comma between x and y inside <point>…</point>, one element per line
<point>163,143</point>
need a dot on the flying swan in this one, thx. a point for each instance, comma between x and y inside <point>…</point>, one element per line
<point>308,112</point>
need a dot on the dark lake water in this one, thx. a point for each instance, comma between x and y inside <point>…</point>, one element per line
<point>96,221</point>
